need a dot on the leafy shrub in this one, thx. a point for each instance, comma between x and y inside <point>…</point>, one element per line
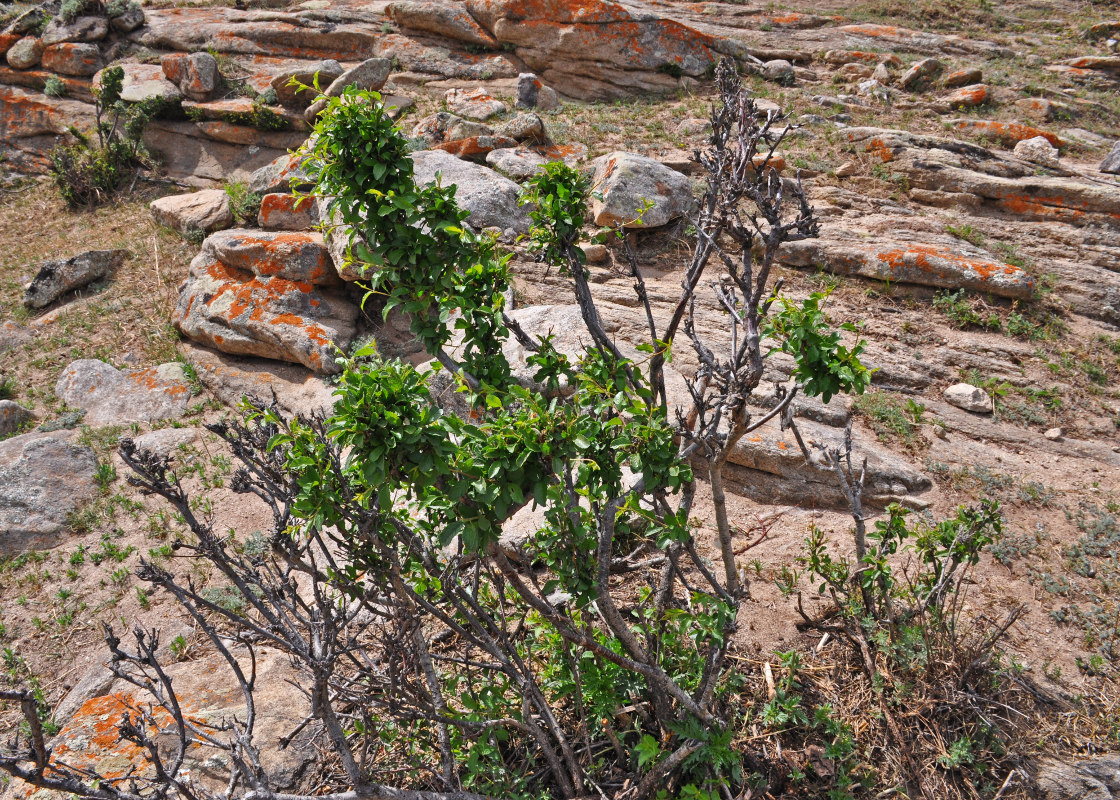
<point>88,174</point>
<point>54,87</point>
<point>243,204</point>
<point>71,9</point>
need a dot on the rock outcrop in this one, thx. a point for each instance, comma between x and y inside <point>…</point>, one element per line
<point>115,397</point>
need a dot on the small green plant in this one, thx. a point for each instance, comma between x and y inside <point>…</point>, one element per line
<point>243,204</point>
<point>966,232</point>
<point>891,417</point>
<point>70,10</point>
<point>8,387</point>
<point>965,311</point>
<point>54,87</point>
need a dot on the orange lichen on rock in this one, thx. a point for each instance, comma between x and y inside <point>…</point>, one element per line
<point>880,150</point>
<point>1007,132</point>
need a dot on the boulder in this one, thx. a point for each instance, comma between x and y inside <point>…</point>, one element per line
<point>969,398</point>
<point>12,417</point>
<point>267,294</point>
<point>476,104</point>
<point>444,19</point>
<point>286,212</point>
<point>13,336</point>
<point>523,128</point>
<point>779,71</point>
<point>33,19</point>
<point>144,82</point>
<point>921,72</point>
<point>624,182</point>
<point>189,214</point>
<point>166,441</point>
<point>128,20</point>
<point>1038,151</point>
<point>116,397</point>
<point>71,58</point>
<point>195,74</point>
<point>325,72</point>
<point>491,199</point>
<point>476,148</point>
<point>963,77</point>
<point>283,174</point>
<point>56,278</point>
<point>966,97</point>
<point>1111,163</point>
<point>231,378</point>
<point>44,478</point>
<point>443,126</point>
<point>1092,779</point>
<point>370,76</point>
<point>522,162</point>
<point>531,93</point>
<point>81,29</point>
<point>25,53</point>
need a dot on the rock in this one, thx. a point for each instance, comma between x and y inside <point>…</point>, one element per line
<point>444,19</point>
<point>475,104</point>
<point>325,71</point>
<point>81,29</point>
<point>144,82</point>
<point>531,93</point>
<point>966,97</point>
<point>523,128</point>
<point>846,170</point>
<point>189,214</point>
<point>13,336</point>
<point>56,278</point>
<point>595,253</point>
<point>284,174</point>
<point>195,74</point>
<point>286,212</point>
<point>969,398</point>
<point>166,441</point>
<point>415,56</point>
<point>115,397</point>
<point>779,71</point>
<point>71,58</point>
<point>370,76</point>
<point>1054,434</point>
<point>25,53</point>
<point>443,126</point>
<point>33,19</point>
<point>476,148</point>
<point>129,20</point>
<point>230,378</point>
<point>12,417</point>
<point>624,181</point>
<point>963,77</point>
<point>521,163</point>
<point>920,72</point>
<point>693,126</point>
<point>1038,151</point>
<point>1059,780</point>
<point>491,199</point>
<point>43,480</point>
<point>881,74</point>
<point>208,695</point>
<point>267,294</point>
<point>1111,163</point>
<point>772,468</point>
<point>1006,132</point>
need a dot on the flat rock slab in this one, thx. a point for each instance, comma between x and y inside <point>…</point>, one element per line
<point>232,378</point>
<point>114,397</point>
<point>775,470</point>
<point>490,198</point>
<point>56,278</point>
<point>43,479</point>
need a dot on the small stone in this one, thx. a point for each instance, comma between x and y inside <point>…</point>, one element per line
<point>963,77</point>
<point>525,127</point>
<point>595,253</point>
<point>128,21</point>
<point>196,74</point>
<point>847,169</point>
<point>475,104</point>
<point>920,72</point>
<point>166,441</point>
<point>25,53</point>
<point>1038,151</point>
<point>970,398</point>
<point>1111,163</point>
<point>531,93</point>
<point>967,97</point>
<point>1054,434</point>
<point>286,212</point>
<point>56,278</point>
<point>13,336</point>
<point>882,74</point>
<point>779,71</point>
<point>12,417</point>
<point>197,212</point>
<point>693,126</point>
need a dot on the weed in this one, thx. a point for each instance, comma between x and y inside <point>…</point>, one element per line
<point>966,232</point>
<point>54,87</point>
<point>243,204</point>
<point>890,417</point>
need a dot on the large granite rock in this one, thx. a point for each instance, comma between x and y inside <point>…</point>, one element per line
<point>43,479</point>
<point>624,182</point>
<point>267,294</point>
<point>56,278</point>
<point>80,29</point>
<point>115,397</point>
<point>445,19</point>
<point>71,58</point>
<point>490,198</point>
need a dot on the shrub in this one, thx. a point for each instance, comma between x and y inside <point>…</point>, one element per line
<point>54,87</point>
<point>243,204</point>
<point>88,174</point>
